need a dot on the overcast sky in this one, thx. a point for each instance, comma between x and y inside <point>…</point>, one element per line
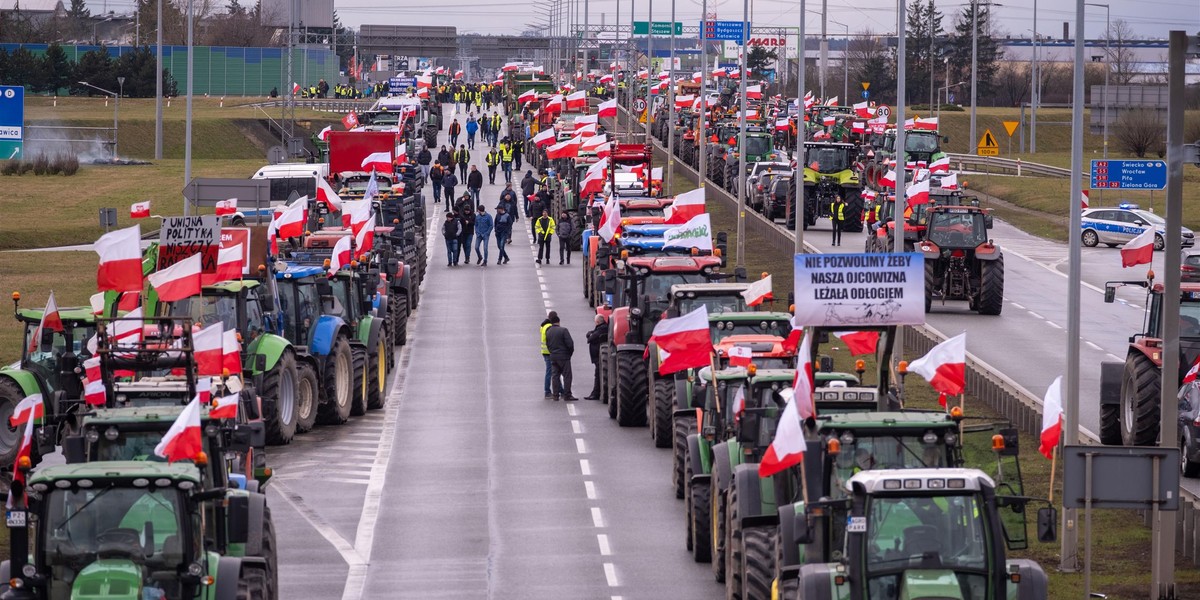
<point>1149,18</point>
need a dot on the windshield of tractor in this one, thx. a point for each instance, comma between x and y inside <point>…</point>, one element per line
<point>920,142</point>
<point>716,304</point>
<point>828,159</point>
<point>758,145</point>
<point>863,453</point>
<point>299,302</point>
<point>42,355</point>
<point>957,228</point>
<point>342,290</point>
<point>129,445</point>
<point>658,285</point>
<point>134,529</point>
<point>923,532</point>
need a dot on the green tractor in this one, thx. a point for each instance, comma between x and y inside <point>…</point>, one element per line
<point>47,367</point>
<point>829,173</point>
<point>760,147</point>
<point>129,530</point>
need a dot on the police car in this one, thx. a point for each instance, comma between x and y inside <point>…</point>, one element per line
<point>1114,226</point>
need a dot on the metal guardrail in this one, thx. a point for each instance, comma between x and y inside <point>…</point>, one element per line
<point>993,164</point>
<point>1005,396</point>
<point>321,104</point>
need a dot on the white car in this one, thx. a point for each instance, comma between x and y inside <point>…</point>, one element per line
<point>1114,226</point>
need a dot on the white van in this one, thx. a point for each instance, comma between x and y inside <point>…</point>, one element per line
<point>286,178</point>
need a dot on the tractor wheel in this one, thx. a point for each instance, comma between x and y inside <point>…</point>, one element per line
<point>853,210</point>
<point>717,501</point>
<point>280,386</point>
<point>699,519</point>
<point>1110,425</point>
<point>631,389</point>
<point>339,384</point>
<point>733,544</point>
<point>252,583</point>
<point>929,281</point>
<point>1187,467</point>
<point>377,380</point>
<point>602,362</point>
<point>991,293</point>
<point>789,589</point>
<point>758,562</point>
<point>1139,401</point>
<point>269,555</point>
<point>664,396</point>
<point>587,279</point>
<point>361,357</point>
<point>682,427</point>
<point>308,395</point>
<point>398,307</point>
<point>10,438</point>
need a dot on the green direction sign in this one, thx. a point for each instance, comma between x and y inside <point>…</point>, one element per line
<point>660,28</point>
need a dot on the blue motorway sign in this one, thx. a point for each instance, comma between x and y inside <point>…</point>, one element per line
<point>1132,174</point>
<point>729,31</point>
<point>12,121</point>
<point>398,85</point>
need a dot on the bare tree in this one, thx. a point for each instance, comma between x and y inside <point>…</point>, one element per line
<point>1140,131</point>
<point>1012,83</point>
<point>870,60</point>
<point>1120,58</point>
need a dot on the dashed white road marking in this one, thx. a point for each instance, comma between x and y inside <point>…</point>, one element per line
<point>585,466</point>
<point>610,573</point>
<point>1036,316</point>
<point>590,489</point>
<point>1054,325</point>
<point>580,447</point>
<point>597,518</point>
<point>605,549</point>
<point>571,410</point>
<point>576,427</point>
<point>1017,305</point>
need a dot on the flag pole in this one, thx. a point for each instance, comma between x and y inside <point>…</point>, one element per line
<point>1053,468</point>
<point>712,358</point>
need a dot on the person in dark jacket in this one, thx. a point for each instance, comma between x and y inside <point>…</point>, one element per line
<point>474,183</point>
<point>483,228</point>
<point>448,184</point>
<point>451,230</point>
<point>424,157</point>
<point>561,346</point>
<point>542,328</point>
<point>508,199</point>
<point>595,338</point>
<point>467,217</point>
<point>528,187</point>
<point>436,174</point>
<point>502,227</point>
<point>566,231</point>
<point>444,157</point>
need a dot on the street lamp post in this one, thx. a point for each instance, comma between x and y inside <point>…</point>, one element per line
<point>95,38</point>
<point>845,63</point>
<point>116,107</point>
<point>1107,66</point>
<point>939,95</point>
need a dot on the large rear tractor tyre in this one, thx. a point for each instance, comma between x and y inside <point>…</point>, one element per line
<point>379,369</point>
<point>758,562</point>
<point>717,521</point>
<point>361,386</point>
<point>700,519</point>
<point>733,545</point>
<point>338,384</point>
<point>929,286</point>
<point>1140,402</point>
<point>789,589</point>
<point>681,429</point>
<point>631,390</point>
<point>280,385</point>
<point>664,402</point>
<point>252,583</point>
<point>398,309</point>
<point>308,396</point>
<point>10,438</point>
<point>269,554</point>
<point>853,210</point>
<point>1110,425</point>
<point>991,283</point>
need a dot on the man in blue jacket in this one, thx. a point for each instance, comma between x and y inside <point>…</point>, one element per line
<point>503,228</point>
<point>472,128</point>
<point>483,229</point>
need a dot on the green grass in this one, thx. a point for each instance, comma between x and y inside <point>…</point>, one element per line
<point>71,275</point>
<point>41,108</point>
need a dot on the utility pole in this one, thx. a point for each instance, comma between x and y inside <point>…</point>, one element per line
<point>158,91</point>
<point>1034,90</point>
<point>702,141</point>
<point>741,148</point>
<point>587,33</point>
<point>825,47</point>
<point>187,126</point>
<point>974,78</point>
<point>650,74</point>
<point>671,109</point>
<point>901,154</point>
<point>801,133</point>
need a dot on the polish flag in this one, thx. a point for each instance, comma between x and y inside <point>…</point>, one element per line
<point>576,100</point>
<point>758,292</point>
<point>926,124</point>
<point>207,345</point>
<point>229,266</point>
<point>94,393</point>
<point>527,97</point>
<point>605,79</point>
<point>950,182</point>
<point>364,239</point>
<point>593,144</point>
<point>91,369</point>
<point>50,319</point>
<point>290,223</point>
<point>512,66</point>
<point>231,352</point>
<point>859,342</point>
<point>24,451</point>
<point>698,77</point>
<point>683,342</point>
<point>686,207</point>
<point>224,408</point>
<point>944,367</point>
<point>610,220</point>
<point>607,108</point>
<point>863,109</point>
<point>832,101</point>
<point>378,161</point>
<point>1139,250</point>
<point>183,441</point>
<point>858,127</point>
<point>139,210</point>
<point>782,124</point>
<point>204,389</point>
<point>440,70</point>
<point>357,214</point>
<point>326,194</point>
<point>941,165</point>
<point>684,101</point>
<point>909,124</point>
<point>585,131</point>
<point>787,449</point>
<point>350,121</point>
<point>828,121</point>
<point>323,135</point>
<point>544,138</point>
<point>401,154</point>
<point>593,180</point>
<point>719,72</point>
<point>739,399</point>
<point>341,255</point>
<point>226,207</point>
<point>564,149</point>
<point>424,81</point>
<point>643,74</point>
<point>458,74</point>
<point>1052,417</point>
<point>1083,200</point>
<point>30,407</point>
<point>739,356</point>
<point>754,92</point>
<point>917,193</point>
<point>554,104</point>
<point>127,330</point>
<point>120,267</point>
<point>1190,376</point>
<point>888,179</point>
<point>586,120</point>
<point>178,281</point>
<point>295,88</point>
<point>809,101</point>
<point>664,75</point>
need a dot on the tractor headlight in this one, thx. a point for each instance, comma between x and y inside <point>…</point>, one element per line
<point>929,437</point>
<point>93,436</point>
<point>195,569</point>
<point>111,434</point>
<point>951,438</point>
<point>29,571</point>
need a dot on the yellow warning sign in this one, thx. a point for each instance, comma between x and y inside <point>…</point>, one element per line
<point>642,118</point>
<point>987,144</point>
<point>1011,127</point>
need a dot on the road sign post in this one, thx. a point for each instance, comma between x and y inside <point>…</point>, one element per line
<point>12,121</point>
<point>988,145</point>
<point>1129,174</point>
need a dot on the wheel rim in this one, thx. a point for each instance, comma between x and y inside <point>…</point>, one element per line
<point>382,368</point>
<point>1127,411</point>
<point>342,379</point>
<point>1089,238</point>
<point>304,401</point>
<point>287,397</point>
<point>8,433</point>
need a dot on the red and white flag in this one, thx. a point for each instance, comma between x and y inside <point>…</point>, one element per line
<point>941,165</point>
<point>341,255</point>
<point>739,399</point>
<point>917,193</point>
<point>424,81</point>
<point>782,124</point>
<point>605,79</point>
<point>528,96</point>
<point>207,347</point>
<point>94,393</point>
<point>544,138</point>
<point>740,356</point>
<point>685,207</point>
<point>863,110</point>
<point>326,194</point>
<point>1139,250</point>
<point>577,100</point>
<point>888,179</point>
<point>226,207</point>
<point>178,281</point>
<point>787,449</point>
<point>564,149</point>
<point>183,440</point>
<point>225,407</point>
<point>356,214</point>
<point>1052,417</point>
<point>593,180</point>
<point>610,220</point>
<point>378,161</point>
<point>364,239</point>
<point>231,353</point>
<point>31,407</point>
<point>50,320</point>
<point>554,104</point>
<point>139,210</point>
<point>697,77</point>
<point>127,330</point>
<point>832,101</point>
<point>295,88</point>
<point>859,342</point>
<point>684,100</point>
<point>323,135</point>
<point>25,450</point>
<point>754,92</point>
<point>290,222</point>
<point>512,66</point>
<point>683,342</point>
<point>758,292</point>
<point>607,108</point>
<point>229,266</point>
<point>950,182</point>
<point>945,367</point>
<point>1083,200</point>
<point>858,127</point>
<point>1190,376</point>
<point>458,74</point>
<point>120,260</point>
<point>926,124</point>
<point>350,121</point>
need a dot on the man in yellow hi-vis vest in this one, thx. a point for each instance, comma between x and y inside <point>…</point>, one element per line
<point>550,318</point>
<point>837,214</point>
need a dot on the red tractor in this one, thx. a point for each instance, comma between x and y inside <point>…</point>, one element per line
<point>961,263</point>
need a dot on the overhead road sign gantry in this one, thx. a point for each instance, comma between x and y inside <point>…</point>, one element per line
<point>728,31</point>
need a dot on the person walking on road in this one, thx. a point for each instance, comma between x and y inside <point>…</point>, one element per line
<point>449,181</point>
<point>595,338</point>
<point>543,232</point>
<point>517,149</point>
<point>474,184</point>
<point>508,199</point>
<point>436,175</point>
<point>455,131</point>
<point>467,217</point>
<point>503,228</point>
<point>462,157</point>
<point>483,229</point>
<point>528,187</point>
<point>472,129</point>
<point>566,231</point>
<point>492,159</point>
<point>424,157</point>
<point>506,159</point>
<point>837,214</point>
<point>445,157</point>
<point>451,230</point>
<point>562,347</point>
<point>550,320</point>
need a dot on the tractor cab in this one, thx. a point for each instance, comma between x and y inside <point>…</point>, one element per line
<point>951,228</point>
<point>719,298</point>
<point>828,158</point>
<point>762,324</point>
<point>648,282</point>
<point>48,362</point>
<point>922,145</point>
